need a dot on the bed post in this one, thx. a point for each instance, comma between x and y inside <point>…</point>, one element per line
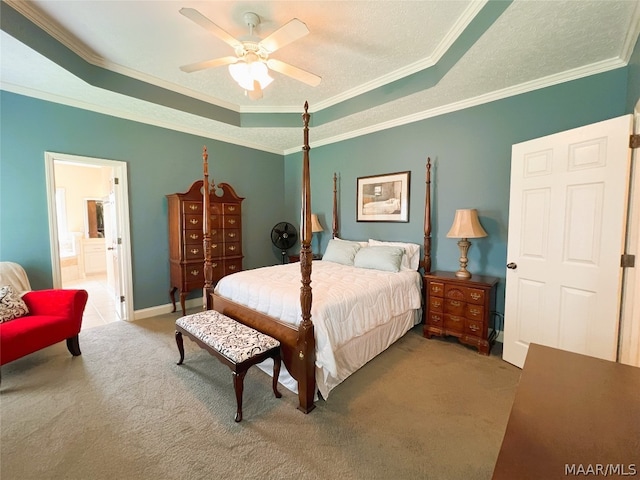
<point>427,221</point>
<point>206,234</point>
<point>306,339</point>
<point>334,228</point>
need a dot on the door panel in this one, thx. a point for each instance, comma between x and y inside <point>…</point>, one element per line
<point>567,220</point>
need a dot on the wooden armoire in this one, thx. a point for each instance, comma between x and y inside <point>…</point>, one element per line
<point>186,251</point>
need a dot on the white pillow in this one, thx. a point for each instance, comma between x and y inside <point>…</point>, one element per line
<point>362,244</point>
<point>384,258</point>
<point>341,251</point>
<point>411,258</point>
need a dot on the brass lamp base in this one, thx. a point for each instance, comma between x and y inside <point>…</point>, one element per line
<point>464,245</point>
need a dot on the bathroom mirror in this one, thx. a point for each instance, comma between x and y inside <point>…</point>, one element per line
<point>95,218</point>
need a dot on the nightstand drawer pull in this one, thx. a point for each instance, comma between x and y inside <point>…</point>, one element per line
<point>475,296</point>
<point>474,328</point>
<point>436,303</point>
<point>475,311</point>
<point>455,303</point>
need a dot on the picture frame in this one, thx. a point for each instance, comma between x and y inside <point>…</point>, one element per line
<point>383,198</point>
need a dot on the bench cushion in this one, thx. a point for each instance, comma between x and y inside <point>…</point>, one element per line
<point>234,340</point>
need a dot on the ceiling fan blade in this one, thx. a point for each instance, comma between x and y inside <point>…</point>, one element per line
<point>218,62</point>
<point>196,17</point>
<point>286,34</point>
<point>294,72</point>
<point>256,93</point>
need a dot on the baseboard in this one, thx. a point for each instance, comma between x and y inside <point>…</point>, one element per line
<point>163,309</point>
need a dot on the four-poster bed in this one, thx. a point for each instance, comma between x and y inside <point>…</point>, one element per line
<point>320,349</point>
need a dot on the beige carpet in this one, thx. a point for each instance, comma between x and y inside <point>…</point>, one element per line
<point>424,409</point>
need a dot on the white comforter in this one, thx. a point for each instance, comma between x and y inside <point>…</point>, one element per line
<point>347,301</point>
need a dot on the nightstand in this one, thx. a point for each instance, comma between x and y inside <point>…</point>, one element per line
<point>460,307</point>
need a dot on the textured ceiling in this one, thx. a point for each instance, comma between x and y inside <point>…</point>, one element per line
<point>382,63</point>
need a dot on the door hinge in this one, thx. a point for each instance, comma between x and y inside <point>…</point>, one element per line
<point>121,298</point>
<point>634,140</point>
<point>119,241</point>
<point>627,261</point>
<point>116,180</point>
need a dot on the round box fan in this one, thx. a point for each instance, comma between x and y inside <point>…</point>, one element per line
<point>284,236</point>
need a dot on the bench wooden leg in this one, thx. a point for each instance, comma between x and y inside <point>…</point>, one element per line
<point>238,385</point>
<point>180,343</point>
<point>276,374</point>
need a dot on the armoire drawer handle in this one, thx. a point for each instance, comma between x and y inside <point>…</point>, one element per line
<point>195,272</point>
<point>194,236</point>
<point>232,248</point>
<point>195,250</point>
<point>232,221</point>
<point>193,207</point>
<point>231,209</point>
<point>214,265</point>
<point>232,267</point>
<point>194,221</point>
<point>232,235</point>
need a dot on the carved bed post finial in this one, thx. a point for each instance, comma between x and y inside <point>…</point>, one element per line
<point>206,234</point>
<point>427,220</point>
<point>306,338</point>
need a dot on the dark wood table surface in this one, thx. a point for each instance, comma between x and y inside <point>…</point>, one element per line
<point>573,416</point>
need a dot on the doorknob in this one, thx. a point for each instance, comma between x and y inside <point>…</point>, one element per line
<point>512,266</point>
<point>110,248</point>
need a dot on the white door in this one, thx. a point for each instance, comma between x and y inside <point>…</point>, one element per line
<point>111,236</point>
<point>567,220</point>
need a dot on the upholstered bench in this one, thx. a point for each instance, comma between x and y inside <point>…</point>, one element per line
<point>234,344</point>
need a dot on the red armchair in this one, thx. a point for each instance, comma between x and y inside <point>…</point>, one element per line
<point>54,315</point>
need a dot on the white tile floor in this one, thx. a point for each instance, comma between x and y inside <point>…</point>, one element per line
<point>100,309</point>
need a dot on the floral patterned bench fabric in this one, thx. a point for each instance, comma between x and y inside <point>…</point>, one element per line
<point>232,339</point>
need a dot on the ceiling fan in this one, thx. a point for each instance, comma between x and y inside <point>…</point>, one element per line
<point>251,63</point>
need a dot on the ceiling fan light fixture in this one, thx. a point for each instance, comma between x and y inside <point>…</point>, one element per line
<point>245,73</point>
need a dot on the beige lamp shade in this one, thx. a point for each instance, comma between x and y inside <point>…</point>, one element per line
<point>466,225</point>
<point>315,224</point>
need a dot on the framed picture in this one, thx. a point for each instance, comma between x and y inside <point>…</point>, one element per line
<point>383,198</point>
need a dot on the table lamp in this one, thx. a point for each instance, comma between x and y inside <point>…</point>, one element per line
<point>315,225</point>
<point>465,225</point>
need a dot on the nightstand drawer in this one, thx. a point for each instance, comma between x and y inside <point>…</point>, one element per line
<point>435,304</point>
<point>436,319</point>
<point>454,307</point>
<point>453,322</point>
<point>474,312</point>
<point>436,289</point>
<point>474,295</point>
<point>473,327</point>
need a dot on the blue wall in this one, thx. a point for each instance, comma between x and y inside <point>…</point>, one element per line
<point>159,162</point>
<point>470,151</point>
<point>471,156</point>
